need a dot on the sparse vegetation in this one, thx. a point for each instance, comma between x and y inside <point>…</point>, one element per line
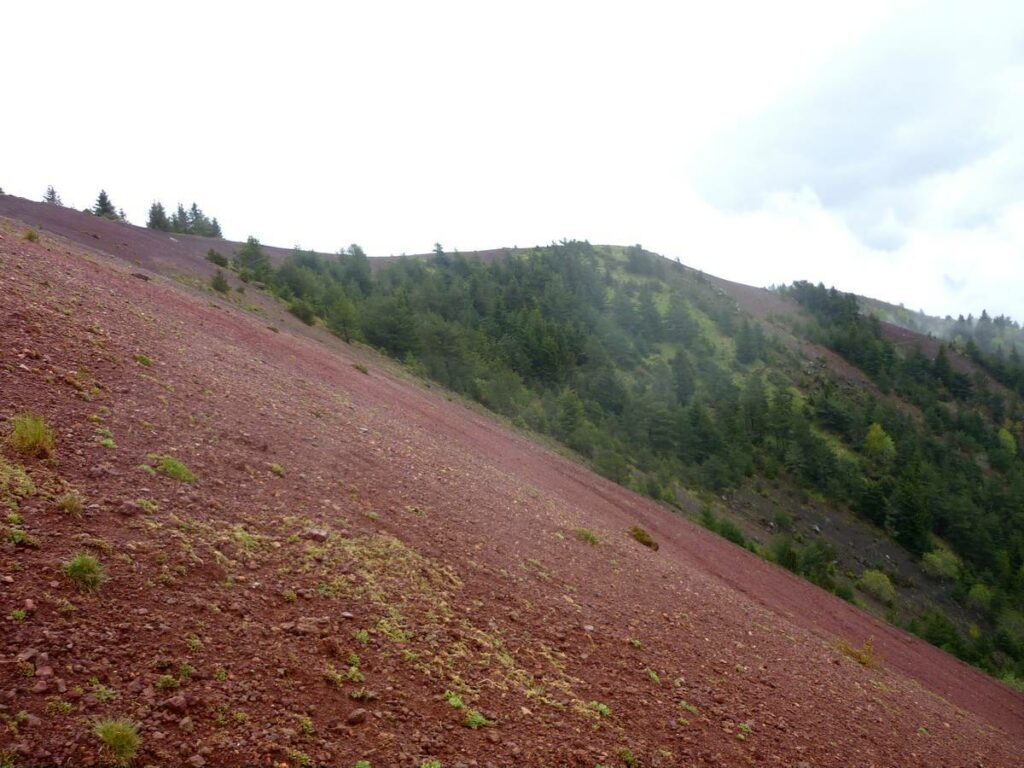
<point>143,360</point>
<point>100,692</point>
<point>602,709</point>
<point>454,699</point>
<point>277,469</point>
<point>31,435</point>
<point>643,537</point>
<point>175,469</point>
<point>85,571</point>
<point>476,720</point>
<point>71,503</point>
<point>684,704</point>
<point>588,536</point>
<point>167,683</point>
<point>865,655</point>
<point>31,235</point>
<point>120,738</point>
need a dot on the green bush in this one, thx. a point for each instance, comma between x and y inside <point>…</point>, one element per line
<point>217,258</point>
<point>877,584</point>
<point>942,564</point>
<point>303,311</point>
<point>219,283</point>
<point>32,236</point>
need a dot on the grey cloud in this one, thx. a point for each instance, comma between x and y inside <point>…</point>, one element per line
<point>928,97</point>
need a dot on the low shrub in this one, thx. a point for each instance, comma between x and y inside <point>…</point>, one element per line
<point>643,537</point>
<point>219,283</point>
<point>877,584</point>
<point>303,311</point>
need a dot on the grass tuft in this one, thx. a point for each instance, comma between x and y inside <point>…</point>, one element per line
<point>475,720</point>
<point>31,435</point>
<point>587,535</point>
<point>71,503</point>
<point>85,571</point>
<point>170,466</point>
<point>120,738</point>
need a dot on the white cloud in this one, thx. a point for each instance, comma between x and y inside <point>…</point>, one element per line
<point>396,125</point>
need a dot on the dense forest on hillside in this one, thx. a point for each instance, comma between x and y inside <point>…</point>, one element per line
<point>643,367</point>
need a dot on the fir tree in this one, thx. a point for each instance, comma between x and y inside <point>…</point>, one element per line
<point>104,207</point>
<point>52,197</point>
<point>158,218</point>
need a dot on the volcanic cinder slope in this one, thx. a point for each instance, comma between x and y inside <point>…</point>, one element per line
<point>355,545</point>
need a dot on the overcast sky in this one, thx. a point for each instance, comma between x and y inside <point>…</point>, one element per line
<point>877,146</point>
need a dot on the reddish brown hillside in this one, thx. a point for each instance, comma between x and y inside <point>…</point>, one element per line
<point>140,246</point>
<point>355,545</point>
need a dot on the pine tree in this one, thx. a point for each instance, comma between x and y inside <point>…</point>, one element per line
<point>179,221</point>
<point>52,197</point>
<point>215,228</point>
<point>158,218</point>
<point>104,207</point>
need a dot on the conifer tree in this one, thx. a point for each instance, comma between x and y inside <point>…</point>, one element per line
<point>179,221</point>
<point>158,218</point>
<point>52,197</point>
<point>104,207</point>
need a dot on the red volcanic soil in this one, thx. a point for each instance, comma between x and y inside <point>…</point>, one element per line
<point>140,246</point>
<point>355,545</point>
